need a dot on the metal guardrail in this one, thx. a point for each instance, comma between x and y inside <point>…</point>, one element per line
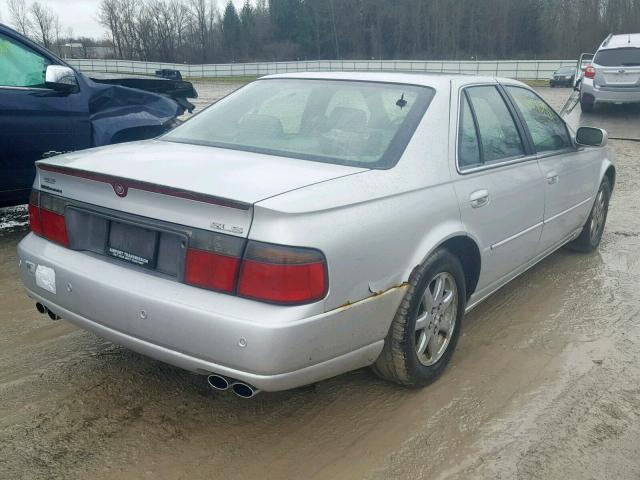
<point>519,69</point>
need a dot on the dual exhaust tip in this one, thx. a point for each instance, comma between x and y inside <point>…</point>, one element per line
<point>42,309</point>
<point>241,389</point>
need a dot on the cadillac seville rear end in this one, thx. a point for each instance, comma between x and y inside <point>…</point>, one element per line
<point>203,255</point>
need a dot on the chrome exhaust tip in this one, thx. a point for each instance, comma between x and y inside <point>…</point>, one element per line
<point>244,390</point>
<point>52,315</point>
<point>41,308</point>
<point>218,382</point>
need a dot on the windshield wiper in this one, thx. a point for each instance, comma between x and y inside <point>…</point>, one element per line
<point>631,64</point>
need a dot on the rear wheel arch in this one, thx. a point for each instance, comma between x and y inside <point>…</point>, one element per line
<point>610,173</point>
<point>467,251</point>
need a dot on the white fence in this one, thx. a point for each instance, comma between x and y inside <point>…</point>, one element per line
<point>520,69</point>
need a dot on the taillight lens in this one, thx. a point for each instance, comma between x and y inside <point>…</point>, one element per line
<point>212,271</point>
<point>213,261</point>
<point>34,213</point>
<point>46,217</point>
<point>285,275</point>
<point>590,72</point>
<point>54,227</point>
<point>266,272</point>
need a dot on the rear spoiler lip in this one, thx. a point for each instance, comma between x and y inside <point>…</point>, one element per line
<point>124,184</point>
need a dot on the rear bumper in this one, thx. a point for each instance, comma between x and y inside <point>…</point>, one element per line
<point>610,96</point>
<point>199,330</point>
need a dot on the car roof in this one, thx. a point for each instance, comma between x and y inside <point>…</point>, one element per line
<point>621,41</point>
<point>434,80</point>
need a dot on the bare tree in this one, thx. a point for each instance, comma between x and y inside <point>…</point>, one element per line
<point>109,17</point>
<point>46,24</point>
<point>19,13</point>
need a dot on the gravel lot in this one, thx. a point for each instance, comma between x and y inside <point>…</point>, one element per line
<point>545,384</point>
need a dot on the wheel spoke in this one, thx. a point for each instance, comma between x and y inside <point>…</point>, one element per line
<point>423,341</point>
<point>427,300</point>
<point>423,321</point>
<point>438,289</point>
<point>447,299</point>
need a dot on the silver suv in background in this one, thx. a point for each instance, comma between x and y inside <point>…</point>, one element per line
<point>614,75</point>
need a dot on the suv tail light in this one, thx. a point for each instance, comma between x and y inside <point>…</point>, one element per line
<point>46,217</point>
<point>286,275</point>
<point>590,71</point>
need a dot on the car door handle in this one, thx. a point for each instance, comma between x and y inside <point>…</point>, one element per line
<point>479,198</point>
<point>552,178</point>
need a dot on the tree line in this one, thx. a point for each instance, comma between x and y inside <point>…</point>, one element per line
<point>38,22</point>
<point>196,31</point>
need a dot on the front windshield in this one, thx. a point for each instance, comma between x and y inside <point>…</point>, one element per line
<point>565,70</point>
<point>364,124</point>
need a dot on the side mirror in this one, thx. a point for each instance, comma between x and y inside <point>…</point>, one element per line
<point>592,137</point>
<point>61,79</point>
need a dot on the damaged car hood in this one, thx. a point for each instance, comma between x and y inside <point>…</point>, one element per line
<point>114,108</point>
<point>179,90</point>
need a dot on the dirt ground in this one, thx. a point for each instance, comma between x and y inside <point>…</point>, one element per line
<point>545,384</point>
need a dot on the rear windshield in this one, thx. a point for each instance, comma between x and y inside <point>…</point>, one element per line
<point>363,124</point>
<point>618,57</point>
<point>566,70</point>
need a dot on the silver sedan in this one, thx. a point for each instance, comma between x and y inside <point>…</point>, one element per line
<point>312,224</point>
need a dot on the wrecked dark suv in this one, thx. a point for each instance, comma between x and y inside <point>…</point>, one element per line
<point>47,107</point>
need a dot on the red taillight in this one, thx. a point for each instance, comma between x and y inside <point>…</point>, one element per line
<point>266,272</point>
<point>279,274</point>
<point>34,213</point>
<point>46,217</point>
<point>590,72</point>
<point>54,227</point>
<point>211,270</point>
<point>213,261</point>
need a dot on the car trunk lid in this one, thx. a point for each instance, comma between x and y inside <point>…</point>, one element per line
<point>197,186</point>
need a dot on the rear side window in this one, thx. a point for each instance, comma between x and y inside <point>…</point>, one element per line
<point>468,147</point>
<point>19,66</point>
<point>618,57</point>
<point>548,131</point>
<point>496,129</point>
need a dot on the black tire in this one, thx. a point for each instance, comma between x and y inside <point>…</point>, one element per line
<point>586,107</point>
<point>399,361</point>
<point>586,241</point>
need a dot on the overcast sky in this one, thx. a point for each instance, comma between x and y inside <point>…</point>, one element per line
<point>81,15</point>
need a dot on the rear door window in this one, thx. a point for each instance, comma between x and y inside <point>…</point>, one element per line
<point>499,136</point>
<point>19,66</point>
<point>548,131</point>
<point>468,146</point>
